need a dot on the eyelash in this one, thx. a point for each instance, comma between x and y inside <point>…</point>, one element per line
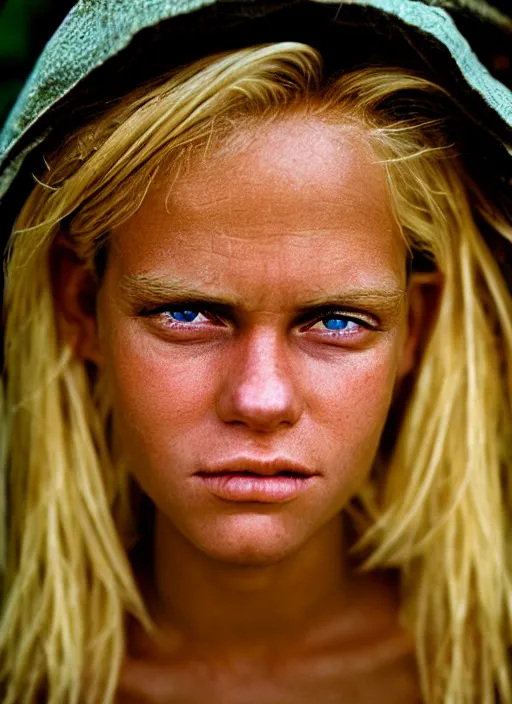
<point>329,313</point>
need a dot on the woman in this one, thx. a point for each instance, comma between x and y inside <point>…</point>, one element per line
<point>257,375</point>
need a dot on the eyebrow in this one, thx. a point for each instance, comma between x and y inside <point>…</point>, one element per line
<point>147,291</point>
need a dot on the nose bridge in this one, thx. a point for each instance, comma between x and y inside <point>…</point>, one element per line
<point>259,387</point>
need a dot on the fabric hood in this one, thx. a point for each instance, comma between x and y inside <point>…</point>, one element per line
<point>104,47</point>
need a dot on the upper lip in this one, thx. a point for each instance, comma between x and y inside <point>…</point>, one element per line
<point>265,467</point>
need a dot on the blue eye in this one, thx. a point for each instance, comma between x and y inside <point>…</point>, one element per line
<point>178,318</point>
<point>336,323</point>
<point>339,323</point>
<point>183,316</point>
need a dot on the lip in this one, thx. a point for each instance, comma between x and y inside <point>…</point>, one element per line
<point>244,487</point>
<point>268,467</point>
<point>245,479</point>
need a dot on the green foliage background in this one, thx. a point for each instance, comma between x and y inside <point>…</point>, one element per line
<point>25,27</point>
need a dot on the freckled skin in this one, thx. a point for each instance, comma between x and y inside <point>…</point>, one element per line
<point>268,224</point>
<point>303,210</point>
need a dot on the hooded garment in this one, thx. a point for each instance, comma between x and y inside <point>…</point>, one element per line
<point>105,47</point>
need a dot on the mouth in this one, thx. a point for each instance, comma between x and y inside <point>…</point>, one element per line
<point>259,466</point>
<point>248,473</point>
<point>248,486</point>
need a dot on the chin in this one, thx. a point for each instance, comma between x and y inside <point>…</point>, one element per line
<point>252,540</point>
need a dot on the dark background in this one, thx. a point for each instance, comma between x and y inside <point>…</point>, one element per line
<point>26,25</point>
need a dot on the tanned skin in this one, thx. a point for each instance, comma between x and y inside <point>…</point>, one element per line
<point>257,602</point>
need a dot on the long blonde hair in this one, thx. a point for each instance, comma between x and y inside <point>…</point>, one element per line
<point>442,514</point>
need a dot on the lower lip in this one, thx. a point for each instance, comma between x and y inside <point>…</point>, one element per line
<point>234,486</point>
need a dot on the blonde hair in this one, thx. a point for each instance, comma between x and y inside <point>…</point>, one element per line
<point>442,514</point>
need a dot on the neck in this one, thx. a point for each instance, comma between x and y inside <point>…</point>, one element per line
<point>240,608</point>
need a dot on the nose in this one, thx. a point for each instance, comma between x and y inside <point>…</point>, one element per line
<point>258,387</point>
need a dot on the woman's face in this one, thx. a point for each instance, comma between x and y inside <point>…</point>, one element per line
<point>252,310</point>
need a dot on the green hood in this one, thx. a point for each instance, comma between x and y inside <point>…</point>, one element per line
<point>104,46</point>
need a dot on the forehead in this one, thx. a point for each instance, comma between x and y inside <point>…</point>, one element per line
<point>294,201</point>
<point>297,161</point>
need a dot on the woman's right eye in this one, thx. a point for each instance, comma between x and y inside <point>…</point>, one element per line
<point>185,316</point>
<point>183,321</point>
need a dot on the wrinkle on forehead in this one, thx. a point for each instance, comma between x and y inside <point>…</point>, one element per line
<point>303,190</point>
<point>303,140</point>
<point>297,155</point>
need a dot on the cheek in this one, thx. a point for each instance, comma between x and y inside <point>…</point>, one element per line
<point>160,395</point>
<point>357,388</point>
<point>369,389</point>
<point>349,409</point>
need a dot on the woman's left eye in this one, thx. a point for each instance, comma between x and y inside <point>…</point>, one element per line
<point>339,323</point>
